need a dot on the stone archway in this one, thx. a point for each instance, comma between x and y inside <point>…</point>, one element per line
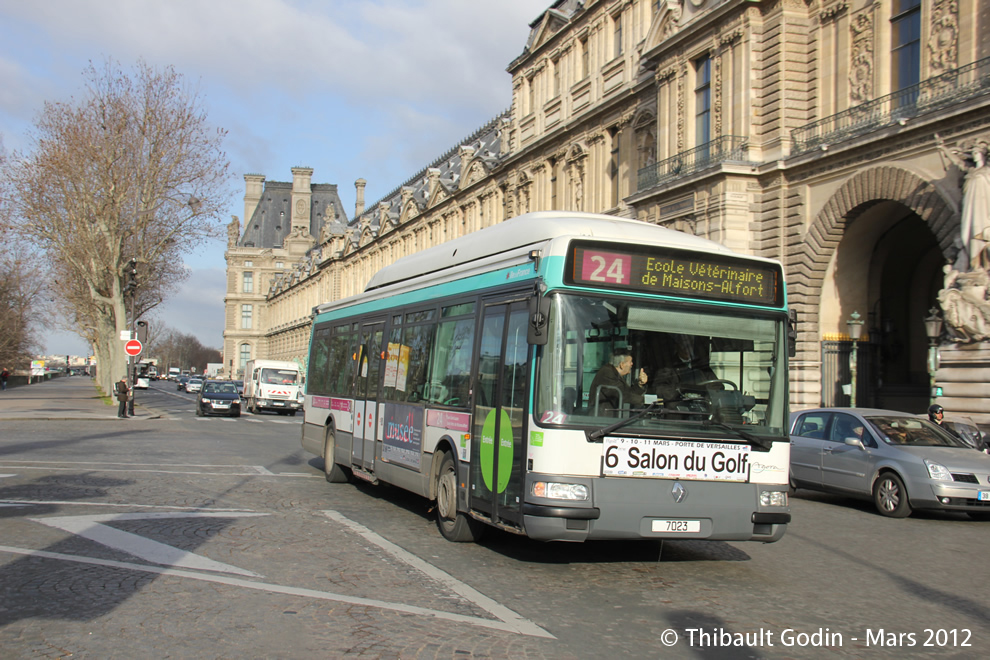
<point>868,196</point>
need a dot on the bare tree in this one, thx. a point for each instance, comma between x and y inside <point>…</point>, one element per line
<point>22,301</point>
<point>131,170</point>
<point>174,349</point>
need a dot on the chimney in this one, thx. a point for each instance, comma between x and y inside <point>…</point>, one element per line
<point>254,187</point>
<point>359,190</point>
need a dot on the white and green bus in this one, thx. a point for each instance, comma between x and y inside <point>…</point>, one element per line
<point>465,373</point>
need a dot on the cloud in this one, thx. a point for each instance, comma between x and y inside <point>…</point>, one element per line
<point>197,308</point>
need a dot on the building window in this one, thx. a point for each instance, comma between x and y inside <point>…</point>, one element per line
<point>248,264</point>
<point>530,95</point>
<point>248,283</point>
<point>245,355</point>
<point>906,43</point>
<point>279,264</point>
<point>703,101</point>
<point>617,35</point>
<point>246,312</point>
<point>556,77</point>
<point>584,59</point>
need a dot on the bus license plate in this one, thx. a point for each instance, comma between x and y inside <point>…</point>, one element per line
<point>677,526</point>
<point>983,496</point>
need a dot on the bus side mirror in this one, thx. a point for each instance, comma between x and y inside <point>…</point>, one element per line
<point>539,320</point>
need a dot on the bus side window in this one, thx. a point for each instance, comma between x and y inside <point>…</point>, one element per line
<point>413,362</point>
<point>450,369</point>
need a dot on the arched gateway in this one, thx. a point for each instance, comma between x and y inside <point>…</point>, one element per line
<point>876,248</point>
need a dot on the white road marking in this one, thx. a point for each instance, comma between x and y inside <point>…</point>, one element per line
<point>289,591</point>
<point>252,470</point>
<point>91,527</point>
<point>127,505</point>
<point>511,618</point>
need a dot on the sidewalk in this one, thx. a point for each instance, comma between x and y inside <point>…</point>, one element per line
<point>71,398</point>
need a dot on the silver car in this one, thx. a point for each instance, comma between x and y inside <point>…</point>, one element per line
<point>899,461</point>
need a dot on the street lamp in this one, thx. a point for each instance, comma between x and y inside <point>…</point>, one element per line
<point>855,325</point>
<point>933,328</point>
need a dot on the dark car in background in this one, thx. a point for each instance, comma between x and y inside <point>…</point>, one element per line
<point>896,459</point>
<point>180,382</point>
<point>218,397</point>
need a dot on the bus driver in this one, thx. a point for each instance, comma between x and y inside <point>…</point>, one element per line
<point>609,391</point>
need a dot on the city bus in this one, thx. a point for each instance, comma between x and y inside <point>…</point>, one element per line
<point>465,373</point>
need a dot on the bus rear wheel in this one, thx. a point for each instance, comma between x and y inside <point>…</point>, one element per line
<point>336,474</point>
<point>454,525</point>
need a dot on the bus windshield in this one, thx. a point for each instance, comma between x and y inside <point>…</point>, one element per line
<point>706,368</point>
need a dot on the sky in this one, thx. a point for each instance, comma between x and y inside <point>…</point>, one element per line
<point>373,89</point>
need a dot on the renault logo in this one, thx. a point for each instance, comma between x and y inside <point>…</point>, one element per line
<point>679,492</point>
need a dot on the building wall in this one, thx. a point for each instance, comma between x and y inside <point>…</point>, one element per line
<point>598,127</point>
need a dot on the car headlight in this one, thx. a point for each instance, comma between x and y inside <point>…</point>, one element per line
<point>559,491</point>
<point>773,498</point>
<point>937,471</point>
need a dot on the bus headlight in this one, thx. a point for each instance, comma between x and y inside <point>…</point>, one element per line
<point>773,498</point>
<point>558,491</point>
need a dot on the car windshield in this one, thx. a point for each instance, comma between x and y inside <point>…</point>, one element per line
<point>219,388</point>
<point>911,432</point>
<point>705,367</point>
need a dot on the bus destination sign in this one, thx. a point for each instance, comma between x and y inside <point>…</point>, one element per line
<point>675,272</point>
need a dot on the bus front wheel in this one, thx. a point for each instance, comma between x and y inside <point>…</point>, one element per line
<point>454,525</point>
<point>336,474</point>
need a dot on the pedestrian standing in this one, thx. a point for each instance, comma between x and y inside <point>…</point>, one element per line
<point>122,392</point>
<point>4,375</point>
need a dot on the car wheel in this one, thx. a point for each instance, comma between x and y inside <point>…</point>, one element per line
<point>454,525</point>
<point>890,496</point>
<point>336,474</point>
<point>236,414</point>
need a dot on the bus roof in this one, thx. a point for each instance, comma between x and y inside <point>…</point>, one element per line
<point>532,229</point>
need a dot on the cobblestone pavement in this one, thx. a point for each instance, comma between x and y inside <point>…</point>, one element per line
<point>179,539</point>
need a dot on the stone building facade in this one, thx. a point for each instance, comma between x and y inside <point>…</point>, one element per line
<point>833,135</point>
<point>284,223</point>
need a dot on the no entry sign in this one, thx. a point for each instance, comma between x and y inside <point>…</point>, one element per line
<point>133,347</point>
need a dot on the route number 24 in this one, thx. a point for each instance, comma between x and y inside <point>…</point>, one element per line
<point>607,267</point>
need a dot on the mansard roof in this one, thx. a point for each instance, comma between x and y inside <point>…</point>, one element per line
<point>484,145</point>
<point>271,221</point>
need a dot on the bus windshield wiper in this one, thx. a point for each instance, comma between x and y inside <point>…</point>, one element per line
<point>752,439</point>
<point>598,434</point>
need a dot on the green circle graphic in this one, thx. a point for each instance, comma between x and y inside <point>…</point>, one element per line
<point>487,451</point>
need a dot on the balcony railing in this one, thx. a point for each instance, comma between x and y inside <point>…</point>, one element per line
<point>933,94</point>
<point>728,148</point>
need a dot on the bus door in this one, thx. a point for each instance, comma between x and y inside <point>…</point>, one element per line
<point>497,455</point>
<point>369,362</point>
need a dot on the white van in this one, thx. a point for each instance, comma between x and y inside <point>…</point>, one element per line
<point>272,385</point>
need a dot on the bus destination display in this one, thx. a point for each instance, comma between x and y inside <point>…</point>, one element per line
<point>676,272</point>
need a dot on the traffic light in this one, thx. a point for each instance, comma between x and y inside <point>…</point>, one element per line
<point>131,272</point>
<point>142,331</point>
